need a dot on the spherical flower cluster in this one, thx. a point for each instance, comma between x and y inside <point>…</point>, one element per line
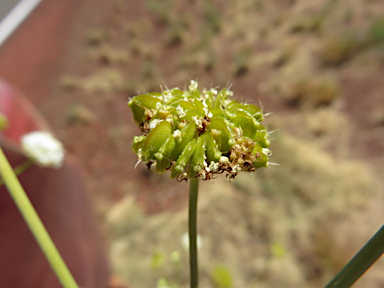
<point>43,148</point>
<point>199,134</point>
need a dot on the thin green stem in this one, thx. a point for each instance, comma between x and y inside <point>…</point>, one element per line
<point>34,223</point>
<point>360,263</point>
<point>20,169</point>
<point>192,231</point>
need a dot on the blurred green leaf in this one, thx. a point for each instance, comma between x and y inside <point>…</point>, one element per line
<point>222,277</point>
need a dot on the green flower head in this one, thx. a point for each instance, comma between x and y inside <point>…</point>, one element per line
<point>197,133</point>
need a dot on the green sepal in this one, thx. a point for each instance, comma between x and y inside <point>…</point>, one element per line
<point>219,101</point>
<point>209,99</point>
<point>162,114</point>
<point>139,104</point>
<point>197,160</point>
<point>199,106</point>
<point>217,111</point>
<point>176,99</point>
<point>212,151</point>
<point>186,105</point>
<point>255,111</point>
<point>156,138</point>
<point>184,158</point>
<point>195,93</point>
<point>251,109</point>
<point>138,143</point>
<point>188,133</point>
<point>176,92</point>
<point>163,156</point>
<point>221,133</point>
<point>233,106</point>
<point>156,94</point>
<point>246,122</point>
<point>261,137</point>
<point>262,159</point>
<point>193,113</point>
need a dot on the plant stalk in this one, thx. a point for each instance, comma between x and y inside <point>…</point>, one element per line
<point>360,263</point>
<point>20,169</point>
<point>192,231</point>
<point>35,224</point>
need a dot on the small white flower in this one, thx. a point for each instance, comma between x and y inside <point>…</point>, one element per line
<point>177,134</point>
<point>180,111</point>
<point>166,96</point>
<point>158,106</point>
<point>140,157</point>
<point>138,139</point>
<point>186,96</point>
<point>169,119</point>
<point>238,132</point>
<point>207,112</point>
<point>193,85</point>
<point>213,91</point>
<point>43,148</point>
<point>214,167</point>
<point>267,152</point>
<point>227,102</point>
<point>154,123</point>
<point>224,160</point>
<point>152,168</point>
<point>231,142</point>
<point>229,93</point>
<point>236,168</point>
<point>198,122</point>
<point>206,168</point>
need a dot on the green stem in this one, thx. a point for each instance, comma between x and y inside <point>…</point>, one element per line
<point>34,223</point>
<point>20,169</point>
<point>192,230</point>
<point>360,263</point>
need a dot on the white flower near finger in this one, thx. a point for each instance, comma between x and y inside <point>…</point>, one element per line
<point>43,148</point>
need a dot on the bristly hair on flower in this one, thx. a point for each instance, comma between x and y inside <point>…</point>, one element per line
<point>199,134</point>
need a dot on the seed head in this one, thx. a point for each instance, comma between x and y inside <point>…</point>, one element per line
<point>199,134</point>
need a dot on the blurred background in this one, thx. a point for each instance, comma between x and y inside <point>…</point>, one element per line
<point>316,66</point>
<point>6,7</point>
